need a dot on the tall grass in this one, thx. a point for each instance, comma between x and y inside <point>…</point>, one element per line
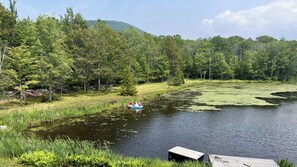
<point>286,163</point>
<point>14,144</point>
<point>7,162</point>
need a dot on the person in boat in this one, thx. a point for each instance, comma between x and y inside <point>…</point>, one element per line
<point>136,104</point>
<point>139,104</point>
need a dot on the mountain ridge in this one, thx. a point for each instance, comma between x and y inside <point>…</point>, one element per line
<point>118,26</point>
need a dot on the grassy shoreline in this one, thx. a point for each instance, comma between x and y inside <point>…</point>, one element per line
<point>13,143</point>
<point>18,118</point>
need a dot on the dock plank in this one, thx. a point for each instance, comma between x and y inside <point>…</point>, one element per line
<point>232,161</point>
<point>183,154</point>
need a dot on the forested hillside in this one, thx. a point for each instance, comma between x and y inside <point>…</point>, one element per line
<point>116,25</point>
<point>66,54</point>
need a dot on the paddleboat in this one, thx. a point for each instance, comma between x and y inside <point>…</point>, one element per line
<point>135,106</point>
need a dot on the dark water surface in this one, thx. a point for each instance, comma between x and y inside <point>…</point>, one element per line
<point>164,123</point>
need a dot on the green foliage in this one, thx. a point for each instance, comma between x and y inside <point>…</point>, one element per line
<point>68,153</point>
<point>12,7</point>
<point>66,54</point>
<point>70,55</point>
<point>191,164</point>
<point>39,159</point>
<point>82,160</point>
<point>128,83</point>
<point>45,98</point>
<point>173,53</point>
<point>117,25</point>
<point>7,23</point>
<point>24,66</point>
<point>7,80</point>
<point>8,162</point>
<point>285,163</point>
<point>130,163</point>
<point>72,22</point>
<point>54,61</point>
<point>265,39</point>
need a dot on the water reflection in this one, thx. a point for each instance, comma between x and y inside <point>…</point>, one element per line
<point>136,111</point>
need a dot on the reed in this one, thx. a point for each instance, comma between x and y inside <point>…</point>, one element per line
<point>285,163</point>
<point>13,144</point>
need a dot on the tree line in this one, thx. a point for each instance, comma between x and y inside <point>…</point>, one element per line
<point>66,54</point>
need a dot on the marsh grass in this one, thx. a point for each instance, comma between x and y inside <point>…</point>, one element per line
<point>90,99</point>
<point>7,162</point>
<point>285,163</point>
<point>14,144</point>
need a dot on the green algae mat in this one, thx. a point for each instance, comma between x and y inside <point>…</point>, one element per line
<point>216,94</point>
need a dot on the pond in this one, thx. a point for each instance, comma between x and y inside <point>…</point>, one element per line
<point>166,122</point>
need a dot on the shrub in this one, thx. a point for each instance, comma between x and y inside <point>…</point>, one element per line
<point>285,163</point>
<point>128,87</point>
<point>39,159</point>
<point>82,160</point>
<point>129,163</point>
<point>45,98</point>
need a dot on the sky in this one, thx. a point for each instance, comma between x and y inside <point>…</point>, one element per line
<point>192,19</point>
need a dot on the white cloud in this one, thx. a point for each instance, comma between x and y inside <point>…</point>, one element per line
<point>277,19</point>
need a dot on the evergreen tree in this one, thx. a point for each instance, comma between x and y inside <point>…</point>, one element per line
<point>138,47</point>
<point>113,55</point>
<point>54,61</point>
<point>128,87</point>
<point>24,66</point>
<point>172,51</point>
<point>12,7</point>
<point>75,29</point>
<point>7,23</point>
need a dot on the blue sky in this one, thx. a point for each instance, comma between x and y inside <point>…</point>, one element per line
<point>191,19</point>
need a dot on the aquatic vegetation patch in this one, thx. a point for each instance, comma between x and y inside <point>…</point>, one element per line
<point>200,108</point>
<point>213,95</point>
<point>240,94</point>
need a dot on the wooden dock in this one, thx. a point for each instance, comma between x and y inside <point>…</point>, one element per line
<point>180,154</point>
<point>230,161</point>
